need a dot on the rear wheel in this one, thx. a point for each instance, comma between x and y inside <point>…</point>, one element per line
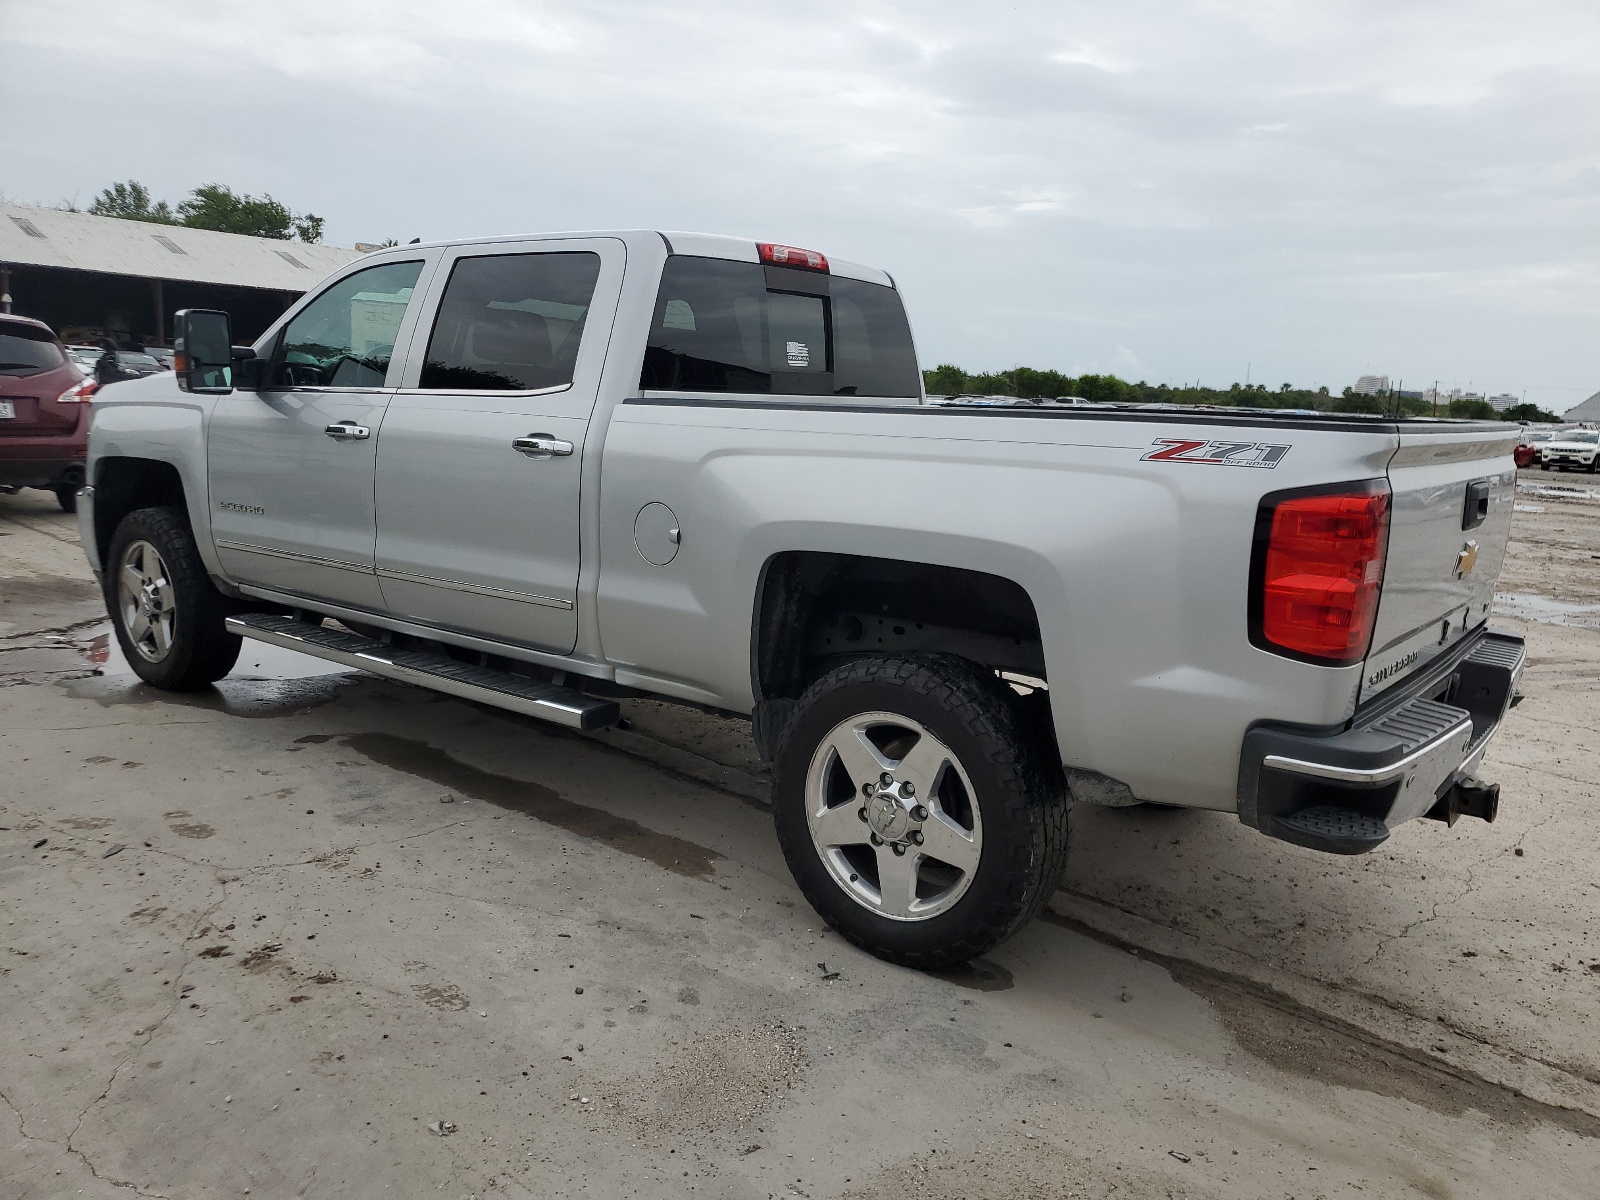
<point>167,613</point>
<point>918,808</point>
<point>67,497</point>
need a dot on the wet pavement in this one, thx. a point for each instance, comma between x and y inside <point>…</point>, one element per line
<point>364,940</point>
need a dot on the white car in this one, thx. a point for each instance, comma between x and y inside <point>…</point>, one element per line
<point>1572,451</point>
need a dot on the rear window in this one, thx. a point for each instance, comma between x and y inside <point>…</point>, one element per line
<point>28,351</point>
<point>722,326</point>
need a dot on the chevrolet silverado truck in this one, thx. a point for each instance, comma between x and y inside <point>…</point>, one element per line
<point>549,473</point>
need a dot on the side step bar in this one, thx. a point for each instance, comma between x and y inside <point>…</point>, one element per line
<point>563,705</point>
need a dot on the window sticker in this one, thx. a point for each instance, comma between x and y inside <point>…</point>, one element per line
<point>799,354</point>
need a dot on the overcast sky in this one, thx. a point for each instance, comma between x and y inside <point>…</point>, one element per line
<point>1168,191</point>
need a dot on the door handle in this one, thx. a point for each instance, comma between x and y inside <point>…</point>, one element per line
<point>541,445</point>
<point>348,431</point>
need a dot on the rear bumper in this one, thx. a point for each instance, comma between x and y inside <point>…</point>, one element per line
<point>1405,756</point>
<point>40,472</point>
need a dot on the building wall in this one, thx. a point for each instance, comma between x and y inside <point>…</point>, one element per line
<point>88,305</point>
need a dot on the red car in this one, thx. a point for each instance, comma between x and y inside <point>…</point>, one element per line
<point>44,412</point>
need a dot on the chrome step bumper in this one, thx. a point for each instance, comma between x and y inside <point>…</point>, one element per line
<point>562,705</point>
<point>1343,792</point>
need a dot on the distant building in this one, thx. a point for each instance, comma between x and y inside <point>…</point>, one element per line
<point>1371,385</point>
<point>1504,401</point>
<point>93,277</point>
<point>1589,410</point>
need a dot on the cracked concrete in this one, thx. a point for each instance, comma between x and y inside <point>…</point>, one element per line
<point>365,960</point>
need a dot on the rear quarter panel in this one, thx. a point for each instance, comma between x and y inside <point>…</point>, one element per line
<point>1138,570</point>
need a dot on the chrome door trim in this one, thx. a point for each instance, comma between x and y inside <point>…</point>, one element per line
<point>293,556</point>
<point>477,589</point>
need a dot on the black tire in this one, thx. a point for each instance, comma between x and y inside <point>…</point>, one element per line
<point>199,650</point>
<point>1016,781</point>
<point>67,497</point>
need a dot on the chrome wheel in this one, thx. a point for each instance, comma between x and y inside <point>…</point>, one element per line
<point>147,601</point>
<point>893,816</point>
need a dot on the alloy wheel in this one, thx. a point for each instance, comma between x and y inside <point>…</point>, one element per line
<point>147,601</point>
<point>893,816</point>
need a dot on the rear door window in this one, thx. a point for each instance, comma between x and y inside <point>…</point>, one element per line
<point>345,337</point>
<point>511,322</point>
<point>723,326</point>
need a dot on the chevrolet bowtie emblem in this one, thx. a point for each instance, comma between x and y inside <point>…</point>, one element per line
<point>1466,560</point>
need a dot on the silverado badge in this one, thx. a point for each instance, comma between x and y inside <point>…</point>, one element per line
<point>1466,560</point>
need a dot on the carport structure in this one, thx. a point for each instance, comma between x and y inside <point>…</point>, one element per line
<point>91,277</point>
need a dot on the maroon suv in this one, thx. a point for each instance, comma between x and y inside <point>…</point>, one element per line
<point>44,412</point>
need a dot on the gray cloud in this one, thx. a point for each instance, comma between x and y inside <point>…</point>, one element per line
<point>1163,190</point>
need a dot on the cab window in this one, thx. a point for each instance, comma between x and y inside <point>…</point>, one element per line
<point>511,322</point>
<point>724,326</point>
<point>345,337</point>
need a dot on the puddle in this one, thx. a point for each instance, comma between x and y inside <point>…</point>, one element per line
<point>1529,607</point>
<point>979,975</point>
<point>534,800</point>
<point>267,681</point>
<point>1556,491</point>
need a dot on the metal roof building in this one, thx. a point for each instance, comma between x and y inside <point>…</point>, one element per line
<point>1589,410</point>
<point>90,277</point>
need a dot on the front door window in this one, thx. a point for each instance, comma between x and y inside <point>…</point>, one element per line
<point>345,337</point>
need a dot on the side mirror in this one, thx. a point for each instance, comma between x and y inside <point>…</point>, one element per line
<point>203,351</point>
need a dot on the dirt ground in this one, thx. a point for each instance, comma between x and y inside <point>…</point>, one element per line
<point>316,934</point>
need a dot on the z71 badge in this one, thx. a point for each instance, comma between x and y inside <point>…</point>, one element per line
<point>1216,454</point>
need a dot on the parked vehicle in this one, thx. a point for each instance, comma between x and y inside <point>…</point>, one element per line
<point>84,357</point>
<point>547,473</point>
<point>1574,450</point>
<point>1528,446</point>
<point>44,400</point>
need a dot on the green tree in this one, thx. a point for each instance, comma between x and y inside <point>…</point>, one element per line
<point>131,202</point>
<point>1478,410</point>
<point>946,379</point>
<point>1529,412</point>
<point>1103,389</point>
<point>213,206</point>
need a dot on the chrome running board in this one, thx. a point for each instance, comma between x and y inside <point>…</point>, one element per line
<point>503,689</point>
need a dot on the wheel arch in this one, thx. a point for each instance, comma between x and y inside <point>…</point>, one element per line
<point>814,608</point>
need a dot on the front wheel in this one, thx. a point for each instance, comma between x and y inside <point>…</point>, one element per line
<point>920,812</point>
<point>167,613</point>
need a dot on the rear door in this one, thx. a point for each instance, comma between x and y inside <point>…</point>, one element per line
<point>481,452</point>
<point>1450,521</point>
<point>291,466</point>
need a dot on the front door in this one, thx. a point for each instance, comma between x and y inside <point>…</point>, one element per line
<point>292,465</point>
<point>481,451</point>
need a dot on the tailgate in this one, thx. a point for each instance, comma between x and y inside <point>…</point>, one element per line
<point>1450,520</point>
<point>32,416</point>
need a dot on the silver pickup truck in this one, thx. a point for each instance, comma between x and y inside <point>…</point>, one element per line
<point>549,473</point>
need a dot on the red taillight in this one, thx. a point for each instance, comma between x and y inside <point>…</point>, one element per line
<point>791,256</point>
<point>1321,571</point>
<point>79,393</point>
